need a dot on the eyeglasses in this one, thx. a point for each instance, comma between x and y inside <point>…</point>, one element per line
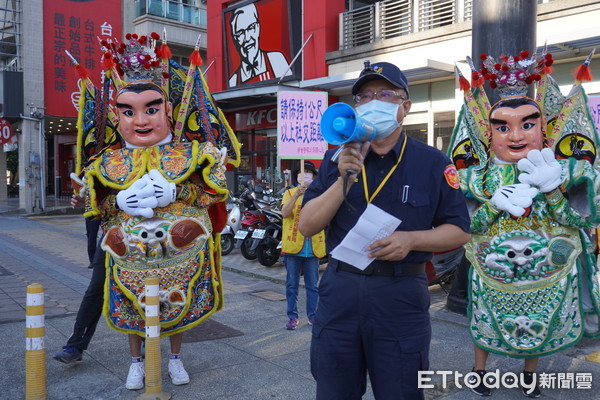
<point>242,33</point>
<point>383,95</point>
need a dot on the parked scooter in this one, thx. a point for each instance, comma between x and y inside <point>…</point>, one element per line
<point>442,267</point>
<point>252,219</point>
<point>268,248</point>
<point>234,223</point>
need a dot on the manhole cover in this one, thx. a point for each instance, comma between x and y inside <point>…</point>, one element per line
<point>269,295</point>
<point>209,330</point>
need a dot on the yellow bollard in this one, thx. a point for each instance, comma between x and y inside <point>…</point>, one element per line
<point>35,354</point>
<point>594,357</point>
<point>153,362</point>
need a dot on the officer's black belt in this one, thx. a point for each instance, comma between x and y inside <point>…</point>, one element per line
<point>381,269</point>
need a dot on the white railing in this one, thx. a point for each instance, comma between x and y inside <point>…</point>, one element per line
<point>395,18</point>
<point>391,18</point>
<point>357,27</point>
<point>436,13</point>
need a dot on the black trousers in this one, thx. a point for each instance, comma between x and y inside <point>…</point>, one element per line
<point>375,325</point>
<point>91,230</point>
<point>90,308</point>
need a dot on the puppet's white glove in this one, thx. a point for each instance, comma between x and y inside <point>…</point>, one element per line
<point>514,199</point>
<point>540,170</point>
<point>164,191</point>
<point>138,199</point>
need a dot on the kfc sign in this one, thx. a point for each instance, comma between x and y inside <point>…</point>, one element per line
<point>259,41</point>
<point>256,118</point>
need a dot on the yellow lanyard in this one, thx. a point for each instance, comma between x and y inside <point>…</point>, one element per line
<point>364,175</point>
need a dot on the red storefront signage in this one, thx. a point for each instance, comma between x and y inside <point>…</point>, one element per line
<point>255,118</point>
<point>75,26</point>
<point>6,131</point>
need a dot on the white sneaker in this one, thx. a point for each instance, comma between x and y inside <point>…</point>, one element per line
<point>135,378</point>
<point>178,374</point>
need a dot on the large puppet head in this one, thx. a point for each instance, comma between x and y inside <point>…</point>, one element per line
<point>140,76</point>
<point>517,127</point>
<point>144,114</point>
<point>144,110</point>
<point>516,121</point>
<point>518,124</point>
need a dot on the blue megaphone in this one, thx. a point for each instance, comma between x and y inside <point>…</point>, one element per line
<point>340,125</point>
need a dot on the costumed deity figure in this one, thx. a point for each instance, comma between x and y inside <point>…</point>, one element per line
<point>158,186</point>
<point>529,169</point>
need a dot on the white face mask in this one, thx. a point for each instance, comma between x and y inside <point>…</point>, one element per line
<point>308,178</point>
<point>382,115</point>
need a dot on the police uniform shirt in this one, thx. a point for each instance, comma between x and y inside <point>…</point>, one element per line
<point>423,192</point>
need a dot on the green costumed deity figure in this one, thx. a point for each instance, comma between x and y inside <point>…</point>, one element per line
<point>529,170</point>
<point>158,185</point>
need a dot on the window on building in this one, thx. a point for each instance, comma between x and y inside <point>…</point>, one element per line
<point>187,11</point>
<point>10,36</point>
<point>443,126</point>
<point>417,131</point>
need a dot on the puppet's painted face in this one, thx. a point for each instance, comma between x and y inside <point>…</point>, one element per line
<point>516,131</point>
<point>143,117</point>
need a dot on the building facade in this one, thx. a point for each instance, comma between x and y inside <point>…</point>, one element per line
<point>323,43</point>
<point>425,38</point>
<point>34,38</point>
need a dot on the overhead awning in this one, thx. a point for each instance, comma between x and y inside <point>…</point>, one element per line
<point>238,98</point>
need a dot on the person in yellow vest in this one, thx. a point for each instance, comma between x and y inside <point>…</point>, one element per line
<point>301,253</point>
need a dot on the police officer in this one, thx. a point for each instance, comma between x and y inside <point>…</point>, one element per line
<point>377,319</point>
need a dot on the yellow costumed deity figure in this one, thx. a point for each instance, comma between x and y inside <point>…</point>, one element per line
<point>158,185</point>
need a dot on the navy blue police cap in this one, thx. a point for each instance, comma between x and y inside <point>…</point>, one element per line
<point>381,70</point>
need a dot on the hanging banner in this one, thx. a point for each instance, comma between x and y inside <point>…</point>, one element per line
<point>75,26</point>
<point>299,125</point>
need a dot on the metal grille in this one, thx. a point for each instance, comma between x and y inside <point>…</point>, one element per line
<point>10,36</point>
<point>358,27</point>
<point>468,10</point>
<point>392,18</point>
<point>395,18</point>
<point>436,13</point>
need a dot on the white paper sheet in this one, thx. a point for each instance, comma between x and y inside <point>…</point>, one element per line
<point>372,225</point>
